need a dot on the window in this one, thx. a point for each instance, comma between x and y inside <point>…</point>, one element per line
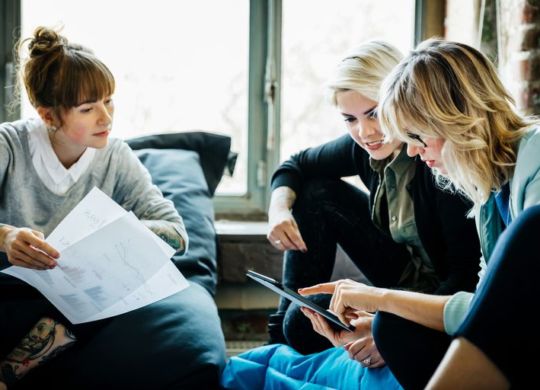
<point>172,72</point>
<point>251,69</point>
<point>313,46</point>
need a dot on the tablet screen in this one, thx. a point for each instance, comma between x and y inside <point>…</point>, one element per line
<point>293,296</point>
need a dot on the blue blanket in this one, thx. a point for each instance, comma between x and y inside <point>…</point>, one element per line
<point>281,367</point>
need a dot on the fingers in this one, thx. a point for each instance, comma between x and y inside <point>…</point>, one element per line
<point>362,325</point>
<point>26,247</point>
<point>365,352</point>
<point>22,260</point>
<point>38,243</point>
<point>296,237</point>
<point>321,326</point>
<point>322,288</point>
<point>288,241</point>
<point>285,235</point>
<point>314,320</point>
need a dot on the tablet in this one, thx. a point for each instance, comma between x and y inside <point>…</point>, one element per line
<point>293,296</point>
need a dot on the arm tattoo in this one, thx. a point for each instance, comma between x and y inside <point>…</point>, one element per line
<point>167,232</point>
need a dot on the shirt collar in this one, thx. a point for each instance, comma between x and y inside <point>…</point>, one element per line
<point>41,148</point>
<point>400,164</point>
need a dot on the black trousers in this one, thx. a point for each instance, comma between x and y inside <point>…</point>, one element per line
<point>497,321</point>
<point>411,351</point>
<point>500,320</point>
<point>331,212</point>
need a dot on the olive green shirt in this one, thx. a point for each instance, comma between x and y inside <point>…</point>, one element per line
<point>395,176</point>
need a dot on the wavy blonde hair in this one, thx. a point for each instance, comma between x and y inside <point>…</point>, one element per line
<point>363,69</point>
<point>451,91</point>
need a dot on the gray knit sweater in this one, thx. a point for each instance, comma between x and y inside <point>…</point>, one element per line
<point>26,202</point>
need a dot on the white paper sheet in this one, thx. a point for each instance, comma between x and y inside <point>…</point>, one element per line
<point>110,263</point>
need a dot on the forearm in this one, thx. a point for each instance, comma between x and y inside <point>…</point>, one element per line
<point>168,232</point>
<point>282,198</point>
<point>424,309</point>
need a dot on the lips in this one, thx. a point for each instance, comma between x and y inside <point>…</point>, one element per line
<point>102,134</point>
<point>374,145</point>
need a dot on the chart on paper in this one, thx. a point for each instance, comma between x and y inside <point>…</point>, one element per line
<point>110,263</point>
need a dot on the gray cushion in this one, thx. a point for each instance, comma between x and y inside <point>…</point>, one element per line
<point>179,175</point>
<point>213,150</point>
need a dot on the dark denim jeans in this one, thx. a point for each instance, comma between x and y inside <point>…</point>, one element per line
<point>331,212</point>
<point>500,320</point>
<point>508,291</point>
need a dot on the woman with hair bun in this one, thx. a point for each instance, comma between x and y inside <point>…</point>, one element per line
<point>49,164</point>
<point>406,233</point>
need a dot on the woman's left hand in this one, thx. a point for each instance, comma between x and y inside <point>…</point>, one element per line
<point>360,320</point>
<point>359,344</point>
<point>365,351</point>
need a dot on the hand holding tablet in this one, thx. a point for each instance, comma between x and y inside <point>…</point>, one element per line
<point>293,296</point>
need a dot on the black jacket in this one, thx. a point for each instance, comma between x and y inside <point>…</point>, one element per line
<point>448,236</point>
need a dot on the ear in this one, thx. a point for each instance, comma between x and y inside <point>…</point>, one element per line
<point>47,115</point>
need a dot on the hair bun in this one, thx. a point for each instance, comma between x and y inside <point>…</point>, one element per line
<point>45,40</point>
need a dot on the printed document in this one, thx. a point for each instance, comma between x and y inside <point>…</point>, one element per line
<point>110,263</point>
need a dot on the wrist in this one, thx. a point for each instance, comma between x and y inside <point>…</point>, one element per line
<point>381,298</point>
<point>282,199</point>
<point>4,230</point>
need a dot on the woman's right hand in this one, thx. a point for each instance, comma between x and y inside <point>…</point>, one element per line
<point>284,233</point>
<point>26,247</point>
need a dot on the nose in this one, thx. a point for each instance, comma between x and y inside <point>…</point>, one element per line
<point>106,114</point>
<point>366,128</point>
<point>413,150</point>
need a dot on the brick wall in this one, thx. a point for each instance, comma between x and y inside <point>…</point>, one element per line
<point>519,57</point>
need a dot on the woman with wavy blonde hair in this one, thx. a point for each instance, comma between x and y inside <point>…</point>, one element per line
<point>447,103</point>
<point>451,91</point>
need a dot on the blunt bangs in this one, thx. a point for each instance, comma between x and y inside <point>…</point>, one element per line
<point>83,78</point>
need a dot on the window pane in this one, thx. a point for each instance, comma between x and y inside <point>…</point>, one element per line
<point>179,66</point>
<point>316,34</point>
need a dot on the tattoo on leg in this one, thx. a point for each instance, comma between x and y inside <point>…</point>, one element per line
<point>44,341</point>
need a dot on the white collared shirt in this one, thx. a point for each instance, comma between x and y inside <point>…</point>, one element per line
<point>49,168</point>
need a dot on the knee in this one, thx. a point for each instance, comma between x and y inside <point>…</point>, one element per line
<point>527,222</point>
<point>299,332</point>
<point>385,328</point>
<point>517,245</point>
<point>379,328</point>
<point>315,191</point>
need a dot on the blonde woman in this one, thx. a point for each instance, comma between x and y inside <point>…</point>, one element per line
<point>446,101</point>
<point>405,233</point>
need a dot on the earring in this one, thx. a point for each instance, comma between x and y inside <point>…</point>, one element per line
<point>52,129</point>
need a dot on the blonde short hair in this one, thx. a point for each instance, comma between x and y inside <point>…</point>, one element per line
<point>363,69</point>
<point>452,91</point>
